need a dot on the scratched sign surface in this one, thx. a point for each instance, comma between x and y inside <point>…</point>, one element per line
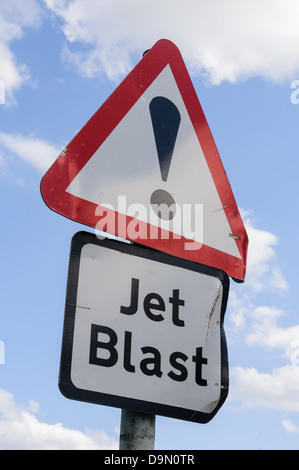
<point>134,342</point>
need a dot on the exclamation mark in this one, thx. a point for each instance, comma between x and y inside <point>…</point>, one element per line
<point>166,120</point>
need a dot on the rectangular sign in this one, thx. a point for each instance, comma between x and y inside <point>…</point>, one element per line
<point>144,331</point>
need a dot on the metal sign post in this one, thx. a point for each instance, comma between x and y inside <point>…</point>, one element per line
<point>137,431</point>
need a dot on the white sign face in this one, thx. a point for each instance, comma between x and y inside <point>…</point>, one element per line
<point>117,177</point>
<point>143,331</point>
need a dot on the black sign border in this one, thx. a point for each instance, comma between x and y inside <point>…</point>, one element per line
<point>69,390</point>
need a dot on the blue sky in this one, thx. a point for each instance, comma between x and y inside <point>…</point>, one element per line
<point>59,61</point>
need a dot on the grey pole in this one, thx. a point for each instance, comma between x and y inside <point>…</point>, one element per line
<point>137,431</point>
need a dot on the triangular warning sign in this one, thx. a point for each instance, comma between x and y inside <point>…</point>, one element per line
<point>145,167</point>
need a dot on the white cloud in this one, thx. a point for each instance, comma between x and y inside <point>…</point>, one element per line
<point>222,40</point>
<point>26,13</point>
<point>257,324</point>
<point>260,326</point>
<point>289,426</point>
<point>15,17</point>
<point>266,332</point>
<point>36,152</point>
<point>278,390</point>
<point>262,271</point>
<point>21,430</point>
